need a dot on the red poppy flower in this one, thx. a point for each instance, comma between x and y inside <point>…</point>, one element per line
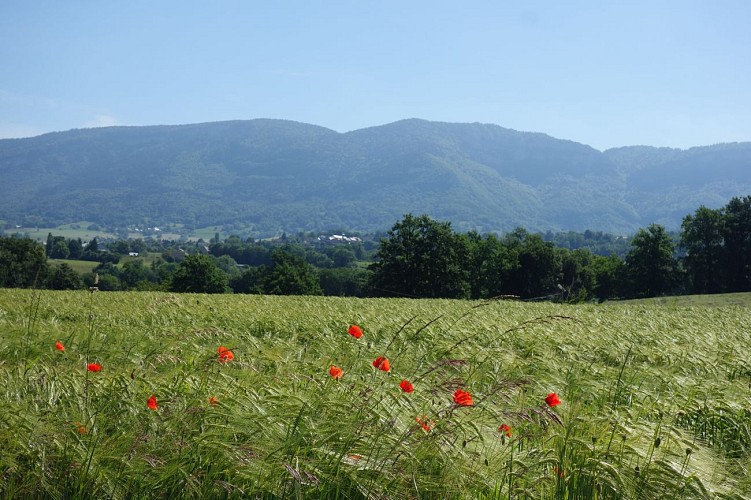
<point>505,429</point>
<point>552,399</point>
<point>463,398</point>
<point>59,346</point>
<point>427,425</point>
<point>94,367</point>
<point>81,428</point>
<point>406,386</point>
<point>355,331</point>
<point>225,355</point>
<point>336,372</point>
<point>151,403</point>
<point>213,401</point>
<point>382,364</point>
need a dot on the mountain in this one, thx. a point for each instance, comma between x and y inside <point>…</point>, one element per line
<point>267,176</point>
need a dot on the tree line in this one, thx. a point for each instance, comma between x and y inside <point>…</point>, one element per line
<point>422,257</point>
<point>418,257</point>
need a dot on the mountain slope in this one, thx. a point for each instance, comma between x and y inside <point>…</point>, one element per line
<point>267,176</point>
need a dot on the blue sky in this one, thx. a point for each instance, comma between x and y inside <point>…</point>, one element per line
<point>607,74</point>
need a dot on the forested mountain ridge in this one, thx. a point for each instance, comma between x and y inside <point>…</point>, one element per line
<point>269,176</point>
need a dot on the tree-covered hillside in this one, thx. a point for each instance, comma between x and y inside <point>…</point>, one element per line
<point>272,176</point>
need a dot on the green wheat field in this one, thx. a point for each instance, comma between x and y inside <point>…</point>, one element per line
<point>655,398</point>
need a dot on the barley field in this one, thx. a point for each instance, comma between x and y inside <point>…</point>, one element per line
<point>159,395</point>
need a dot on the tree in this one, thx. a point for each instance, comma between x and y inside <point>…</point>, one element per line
<point>421,257</point>
<point>121,247</point>
<point>342,256</point>
<point>250,281</point>
<point>577,274</point>
<point>651,267</point>
<point>134,272</point>
<point>344,281</point>
<point>530,266</point>
<point>290,275</point>
<point>228,265</point>
<point>75,248</point>
<point>610,276</point>
<point>137,245</point>
<point>199,274</point>
<point>539,267</point>
<point>23,263</point>
<point>63,277</point>
<point>702,239</point>
<point>488,265</point>
<point>737,239</point>
<point>163,271</point>
<point>48,245</point>
<point>59,248</point>
<point>109,277</point>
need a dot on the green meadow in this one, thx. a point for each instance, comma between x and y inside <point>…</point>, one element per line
<point>70,231</point>
<point>79,266</point>
<point>655,398</point>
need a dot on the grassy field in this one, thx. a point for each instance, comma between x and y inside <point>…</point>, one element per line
<point>78,230</point>
<point>716,300</point>
<point>71,231</point>
<point>79,266</point>
<point>148,258</point>
<point>656,401</point>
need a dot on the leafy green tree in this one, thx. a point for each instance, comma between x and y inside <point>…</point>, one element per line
<point>651,267</point>
<point>121,247</point>
<point>48,245</point>
<point>75,248</point>
<point>248,253</point>
<point>318,259</point>
<point>421,257</point>
<point>290,275</point>
<point>199,274</point>
<point>702,239</point>
<point>228,265</point>
<point>59,248</point>
<point>539,267</point>
<point>109,282</point>
<point>63,277</point>
<point>134,272</point>
<point>344,281</point>
<point>250,281</point>
<point>577,274</point>
<point>163,271</point>
<point>610,277</point>
<point>737,239</point>
<point>137,245</point>
<point>488,265</point>
<point>109,277</point>
<point>532,267</point>
<point>341,255</point>
<point>23,263</point>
